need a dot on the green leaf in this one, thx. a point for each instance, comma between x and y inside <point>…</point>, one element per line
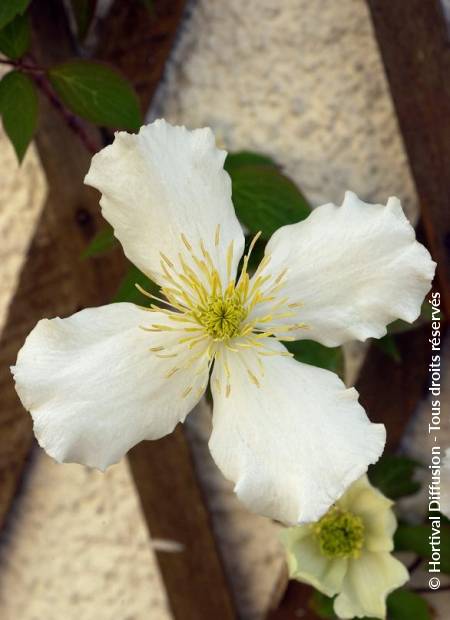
<point>403,604</point>
<point>416,538</point>
<point>10,8</point>
<point>388,345</point>
<point>19,109</point>
<point>310,352</point>
<point>321,605</point>
<point>83,11</point>
<point>15,37</point>
<point>103,241</point>
<point>128,291</point>
<point>247,158</point>
<point>97,93</point>
<point>394,476</point>
<point>265,199</point>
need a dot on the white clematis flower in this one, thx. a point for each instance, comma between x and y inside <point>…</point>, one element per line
<point>290,436</point>
<point>348,553</point>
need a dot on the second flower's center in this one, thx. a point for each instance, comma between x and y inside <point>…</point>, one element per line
<point>340,534</point>
<point>222,316</point>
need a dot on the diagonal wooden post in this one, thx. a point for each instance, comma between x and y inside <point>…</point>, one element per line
<point>55,281</point>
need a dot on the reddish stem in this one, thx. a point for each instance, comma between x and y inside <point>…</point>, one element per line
<point>20,64</point>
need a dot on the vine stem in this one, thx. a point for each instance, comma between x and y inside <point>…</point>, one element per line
<point>38,74</point>
<point>20,64</point>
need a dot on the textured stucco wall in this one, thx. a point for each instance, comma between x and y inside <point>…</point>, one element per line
<point>76,548</point>
<point>299,80</point>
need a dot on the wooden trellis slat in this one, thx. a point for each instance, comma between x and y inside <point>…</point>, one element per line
<point>55,281</point>
<point>163,471</point>
<point>138,40</point>
<point>174,509</point>
<point>413,40</point>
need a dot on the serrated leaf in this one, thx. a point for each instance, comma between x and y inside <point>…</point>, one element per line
<point>103,241</point>
<point>128,292</point>
<point>83,11</point>
<point>247,158</point>
<point>10,8</point>
<point>403,604</point>
<point>266,199</point>
<point>19,110</point>
<point>310,352</point>
<point>15,37</point>
<point>416,538</point>
<point>97,93</point>
<point>394,476</point>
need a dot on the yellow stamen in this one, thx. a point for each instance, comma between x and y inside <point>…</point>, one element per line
<point>186,392</point>
<point>212,315</point>
<point>166,260</point>
<point>186,242</point>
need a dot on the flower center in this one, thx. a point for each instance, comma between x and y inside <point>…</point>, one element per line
<point>340,534</point>
<point>214,313</point>
<point>222,316</point>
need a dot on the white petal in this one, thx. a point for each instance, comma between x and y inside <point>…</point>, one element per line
<point>94,388</point>
<point>307,564</point>
<point>354,269</point>
<point>161,183</point>
<point>376,512</point>
<point>368,582</point>
<point>293,444</point>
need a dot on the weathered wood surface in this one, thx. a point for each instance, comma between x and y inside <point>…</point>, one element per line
<point>418,78</point>
<point>174,509</point>
<point>389,390</point>
<point>55,281</point>
<point>138,41</point>
<point>295,603</point>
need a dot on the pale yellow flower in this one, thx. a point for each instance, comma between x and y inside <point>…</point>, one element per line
<point>348,552</point>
